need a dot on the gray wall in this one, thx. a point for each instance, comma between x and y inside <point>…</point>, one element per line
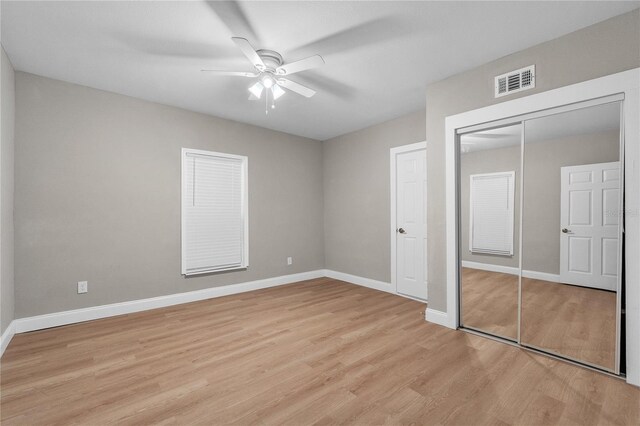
<point>605,48</point>
<point>98,197</point>
<point>541,220</point>
<point>7,113</point>
<point>356,196</point>
<point>107,181</point>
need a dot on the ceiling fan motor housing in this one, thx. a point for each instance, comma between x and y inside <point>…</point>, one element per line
<point>271,59</point>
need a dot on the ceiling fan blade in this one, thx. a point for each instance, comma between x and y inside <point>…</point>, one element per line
<point>253,97</point>
<point>249,52</point>
<point>296,87</point>
<point>233,17</point>
<point>327,85</point>
<point>358,36</point>
<point>232,73</point>
<point>172,48</point>
<point>301,65</point>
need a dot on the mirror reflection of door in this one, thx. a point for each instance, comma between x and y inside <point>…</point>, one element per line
<point>589,199</point>
<point>570,234</point>
<point>490,212</point>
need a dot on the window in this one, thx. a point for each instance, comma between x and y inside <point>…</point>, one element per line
<point>491,213</point>
<point>214,212</point>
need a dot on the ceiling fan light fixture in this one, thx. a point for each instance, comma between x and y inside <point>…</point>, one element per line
<point>267,81</point>
<point>277,91</point>
<point>256,89</point>
<point>269,67</point>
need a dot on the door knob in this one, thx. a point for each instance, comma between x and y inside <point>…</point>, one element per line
<point>402,231</point>
<point>565,230</point>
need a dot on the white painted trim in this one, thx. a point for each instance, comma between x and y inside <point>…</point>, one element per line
<point>56,319</point>
<point>626,82</point>
<point>512,270</point>
<point>543,276</point>
<point>631,111</point>
<point>439,317</point>
<point>368,282</point>
<point>7,336</point>
<point>393,152</point>
<point>39,322</point>
<point>408,148</point>
<point>362,281</point>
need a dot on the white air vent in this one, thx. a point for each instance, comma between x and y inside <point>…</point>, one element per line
<point>515,81</point>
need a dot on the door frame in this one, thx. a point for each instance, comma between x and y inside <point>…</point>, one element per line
<point>625,84</point>
<point>393,153</point>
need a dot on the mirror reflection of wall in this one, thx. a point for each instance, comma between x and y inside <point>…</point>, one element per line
<point>570,234</point>
<point>490,223</point>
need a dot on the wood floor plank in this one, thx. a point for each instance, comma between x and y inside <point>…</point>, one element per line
<point>316,352</point>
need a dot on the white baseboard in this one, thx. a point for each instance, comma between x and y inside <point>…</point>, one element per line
<point>56,319</point>
<point>39,322</point>
<point>7,336</point>
<point>440,318</point>
<point>367,282</point>
<point>354,279</point>
<point>491,268</point>
<point>544,276</point>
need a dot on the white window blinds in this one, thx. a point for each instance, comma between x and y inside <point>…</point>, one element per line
<point>214,212</point>
<point>491,215</point>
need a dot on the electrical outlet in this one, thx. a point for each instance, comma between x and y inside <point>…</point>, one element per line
<point>289,260</point>
<point>83,287</point>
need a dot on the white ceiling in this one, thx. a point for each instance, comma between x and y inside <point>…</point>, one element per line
<point>379,56</point>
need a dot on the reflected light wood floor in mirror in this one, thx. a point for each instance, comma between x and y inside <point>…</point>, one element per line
<point>316,352</point>
<point>577,322</point>
<point>490,302</point>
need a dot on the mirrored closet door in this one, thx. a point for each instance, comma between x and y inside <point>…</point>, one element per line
<point>490,224</point>
<point>571,234</point>
<point>540,228</point>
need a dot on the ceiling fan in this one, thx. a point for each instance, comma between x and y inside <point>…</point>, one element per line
<point>270,70</point>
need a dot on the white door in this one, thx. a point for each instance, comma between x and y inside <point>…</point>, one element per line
<point>590,205</point>
<point>411,223</point>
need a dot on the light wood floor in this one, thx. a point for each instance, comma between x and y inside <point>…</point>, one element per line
<point>317,352</point>
<point>490,302</point>
<point>576,322</point>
